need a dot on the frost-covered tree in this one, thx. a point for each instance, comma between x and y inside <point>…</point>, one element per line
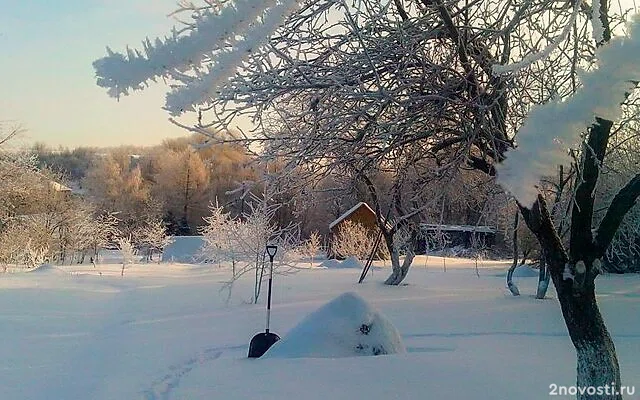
<point>312,246</point>
<point>127,251</point>
<point>217,235</point>
<point>322,90</point>
<point>181,183</point>
<point>40,219</point>
<point>621,164</point>
<point>19,179</point>
<point>77,230</point>
<point>152,236</point>
<point>242,242</point>
<point>104,231</point>
<point>542,141</point>
<point>115,184</point>
<point>457,80</point>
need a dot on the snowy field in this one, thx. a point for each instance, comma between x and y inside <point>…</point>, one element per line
<point>166,331</point>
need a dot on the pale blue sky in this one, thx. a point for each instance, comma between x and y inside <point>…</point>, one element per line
<point>48,84</point>
<point>47,80</point>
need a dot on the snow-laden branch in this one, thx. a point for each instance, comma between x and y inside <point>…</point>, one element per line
<point>226,62</point>
<point>551,128</point>
<point>596,22</point>
<point>225,34</point>
<point>499,69</point>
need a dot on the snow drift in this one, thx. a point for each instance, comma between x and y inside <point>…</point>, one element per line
<point>47,269</point>
<point>351,262</point>
<point>526,271</point>
<point>345,327</point>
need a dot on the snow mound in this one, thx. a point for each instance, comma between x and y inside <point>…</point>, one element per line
<point>345,327</point>
<point>47,269</point>
<point>525,271</point>
<point>330,264</point>
<point>351,262</point>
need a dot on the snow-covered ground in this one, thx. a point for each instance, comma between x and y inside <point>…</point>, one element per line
<point>167,331</point>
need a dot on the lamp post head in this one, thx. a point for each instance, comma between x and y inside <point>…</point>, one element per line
<point>272,250</point>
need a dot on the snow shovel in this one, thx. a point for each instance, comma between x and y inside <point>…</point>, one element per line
<point>263,341</point>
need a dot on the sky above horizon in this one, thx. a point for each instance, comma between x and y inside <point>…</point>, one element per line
<point>48,81</point>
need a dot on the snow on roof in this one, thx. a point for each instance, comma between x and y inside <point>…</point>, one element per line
<point>458,228</point>
<point>349,212</point>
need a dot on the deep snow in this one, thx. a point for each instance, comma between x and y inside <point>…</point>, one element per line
<point>168,332</point>
<point>347,326</point>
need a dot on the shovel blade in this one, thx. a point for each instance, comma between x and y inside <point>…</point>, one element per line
<point>261,343</point>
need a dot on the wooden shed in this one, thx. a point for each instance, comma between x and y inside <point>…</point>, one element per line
<point>362,214</point>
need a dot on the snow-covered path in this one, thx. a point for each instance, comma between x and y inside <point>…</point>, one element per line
<point>167,332</point>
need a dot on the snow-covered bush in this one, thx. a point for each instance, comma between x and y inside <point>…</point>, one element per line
<point>353,239</point>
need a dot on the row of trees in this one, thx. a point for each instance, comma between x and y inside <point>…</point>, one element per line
<point>174,181</point>
<point>42,220</point>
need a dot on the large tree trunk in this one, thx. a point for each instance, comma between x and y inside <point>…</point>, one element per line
<point>597,363</point>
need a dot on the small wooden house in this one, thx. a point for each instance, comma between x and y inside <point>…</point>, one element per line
<point>362,214</point>
<point>60,189</point>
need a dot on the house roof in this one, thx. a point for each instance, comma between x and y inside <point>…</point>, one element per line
<point>349,212</point>
<point>458,228</point>
<point>59,187</point>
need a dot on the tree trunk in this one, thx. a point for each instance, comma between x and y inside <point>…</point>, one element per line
<point>543,279</point>
<point>399,271</point>
<point>510,284</point>
<point>597,363</point>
